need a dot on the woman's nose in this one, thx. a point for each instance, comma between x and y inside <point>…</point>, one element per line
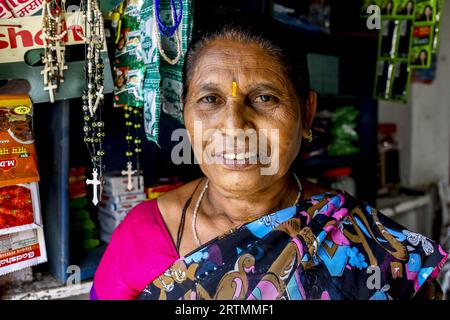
<point>236,115</point>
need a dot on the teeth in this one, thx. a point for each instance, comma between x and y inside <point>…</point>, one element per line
<point>239,156</point>
<point>230,156</point>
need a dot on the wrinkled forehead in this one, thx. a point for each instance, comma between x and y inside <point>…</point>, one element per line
<point>222,62</point>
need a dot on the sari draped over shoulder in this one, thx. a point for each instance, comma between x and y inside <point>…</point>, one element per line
<point>330,246</point>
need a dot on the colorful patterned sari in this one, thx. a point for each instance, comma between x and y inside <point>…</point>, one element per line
<point>330,246</point>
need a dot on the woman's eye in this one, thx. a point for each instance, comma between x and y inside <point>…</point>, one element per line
<point>209,99</point>
<point>264,98</point>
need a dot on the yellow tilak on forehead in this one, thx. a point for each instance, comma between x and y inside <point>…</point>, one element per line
<point>234,89</point>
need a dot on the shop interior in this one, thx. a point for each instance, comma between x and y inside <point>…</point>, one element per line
<point>92,132</point>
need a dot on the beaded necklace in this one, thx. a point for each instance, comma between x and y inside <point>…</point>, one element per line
<point>168,32</point>
<point>93,94</point>
<point>133,120</point>
<point>54,31</point>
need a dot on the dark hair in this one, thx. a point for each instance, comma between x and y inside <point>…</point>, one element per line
<point>269,37</point>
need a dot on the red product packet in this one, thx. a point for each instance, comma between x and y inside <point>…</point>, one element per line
<point>18,162</point>
<point>19,208</point>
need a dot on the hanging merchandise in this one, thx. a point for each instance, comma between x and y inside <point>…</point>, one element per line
<point>408,39</point>
<point>18,162</point>
<point>84,235</point>
<point>93,95</point>
<point>166,29</point>
<point>54,31</point>
<point>21,235</point>
<point>427,75</point>
<point>18,9</point>
<point>423,29</point>
<point>393,74</point>
<point>129,81</point>
<point>21,250</point>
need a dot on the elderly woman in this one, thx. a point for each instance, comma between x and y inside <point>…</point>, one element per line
<point>239,233</point>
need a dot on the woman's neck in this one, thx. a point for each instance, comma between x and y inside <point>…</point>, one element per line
<point>235,208</point>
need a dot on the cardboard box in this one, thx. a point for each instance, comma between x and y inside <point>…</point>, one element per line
<point>131,197</point>
<point>118,206</point>
<point>105,236</point>
<point>116,184</point>
<point>108,223</point>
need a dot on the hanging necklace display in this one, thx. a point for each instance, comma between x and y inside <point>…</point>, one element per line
<point>54,31</point>
<point>93,97</point>
<point>128,92</point>
<point>168,31</point>
<point>133,119</point>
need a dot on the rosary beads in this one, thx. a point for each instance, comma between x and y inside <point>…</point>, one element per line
<point>93,95</point>
<point>54,31</point>
<point>133,120</point>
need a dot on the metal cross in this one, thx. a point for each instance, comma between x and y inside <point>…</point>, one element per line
<point>95,182</point>
<point>100,96</point>
<point>50,87</point>
<point>129,172</point>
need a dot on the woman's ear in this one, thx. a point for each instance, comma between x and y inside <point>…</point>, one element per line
<point>311,107</point>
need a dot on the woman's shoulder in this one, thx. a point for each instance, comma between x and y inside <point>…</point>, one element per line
<point>140,249</point>
<point>368,241</point>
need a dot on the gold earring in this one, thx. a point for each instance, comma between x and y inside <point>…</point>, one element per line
<point>310,136</point>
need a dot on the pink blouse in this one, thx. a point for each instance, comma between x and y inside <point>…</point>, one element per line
<point>141,248</point>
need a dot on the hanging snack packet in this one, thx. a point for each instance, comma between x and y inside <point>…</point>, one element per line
<point>21,250</point>
<point>152,79</point>
<point>129,66</point>
<point>388,38</point>
<point>19,208</point>
<point>405,8</point>
<point>437,27</point>
<point>172,89</point>
<point>120,86</point>
<point>425,12</point>
<point>18,162</point>
<point>135,86</point>
<point>404,38</point>
<point>133,9</point>
<point>383,79</point>
<point>401,80</point>
<point>421,46</point>
<point>387,8</point>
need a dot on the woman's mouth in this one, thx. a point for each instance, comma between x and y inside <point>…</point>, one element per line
<point>237,160</point>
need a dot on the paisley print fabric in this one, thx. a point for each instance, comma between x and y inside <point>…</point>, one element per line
<point>330,246</point>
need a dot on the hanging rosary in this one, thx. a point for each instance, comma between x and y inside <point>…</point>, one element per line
<point>133,120</point>
<point>93,95</point>
<point>54,31</point>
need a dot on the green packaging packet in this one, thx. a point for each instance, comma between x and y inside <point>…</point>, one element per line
<point>425,12</point>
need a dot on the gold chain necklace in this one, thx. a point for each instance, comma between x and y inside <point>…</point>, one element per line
<point>197,205</point>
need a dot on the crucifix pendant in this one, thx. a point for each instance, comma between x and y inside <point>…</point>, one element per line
<point>129,172</point>
<point>95,183</point>
<point>50,87</point>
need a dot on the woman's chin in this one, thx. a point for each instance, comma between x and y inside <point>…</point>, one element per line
<point>240,178</point>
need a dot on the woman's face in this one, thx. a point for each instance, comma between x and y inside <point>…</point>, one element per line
<point>237,90</point>
<point>423,56</point>
<point>409,6</point>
